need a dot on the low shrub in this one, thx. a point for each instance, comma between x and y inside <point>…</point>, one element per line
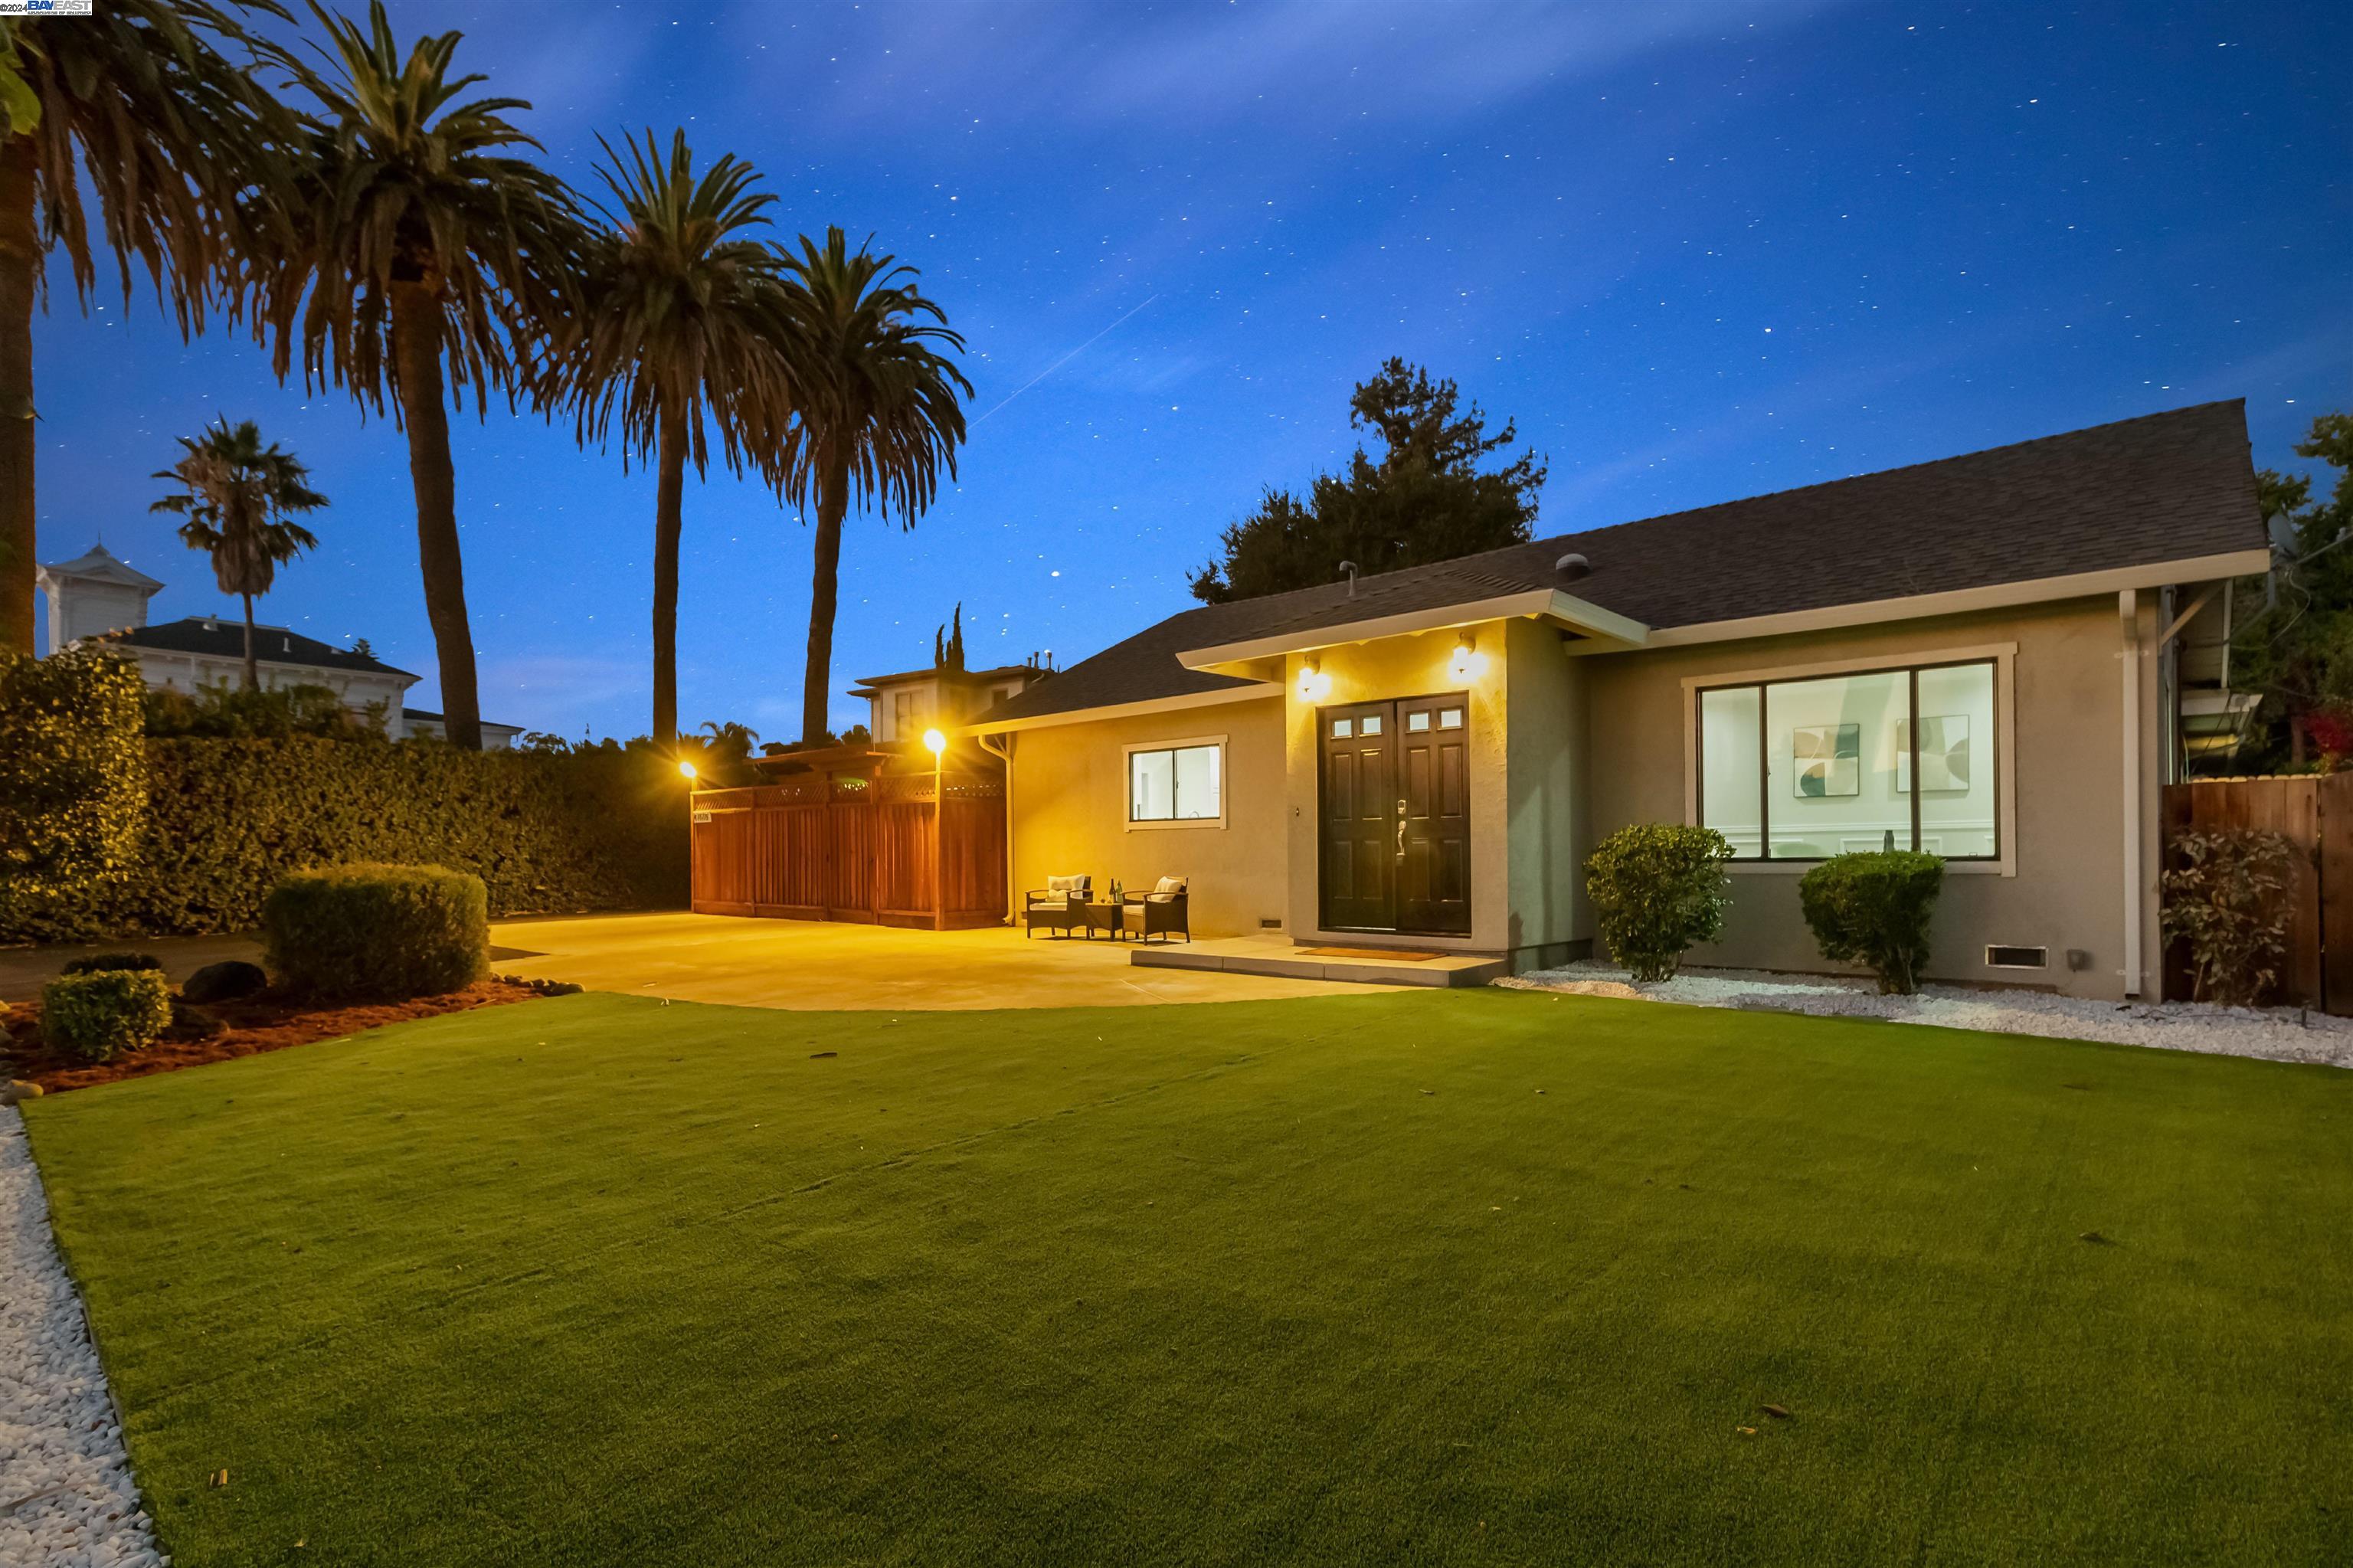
<point>1872,910</point>
<point>1658,888</point>
<point>98,963</point>
<point>96,1015</point>
<point>377,932</point>
<point>2227,902</point>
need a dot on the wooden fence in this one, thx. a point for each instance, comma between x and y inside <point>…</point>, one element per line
<point>852,849</point>
<point>2316,814</point>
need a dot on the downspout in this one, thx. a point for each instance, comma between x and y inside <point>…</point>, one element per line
<point>2128,615</point>
<point>1005,755</point>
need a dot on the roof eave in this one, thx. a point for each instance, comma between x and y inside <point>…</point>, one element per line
<point>1605,628</point>
<point>1963,601</point>
<point>1256,690</point>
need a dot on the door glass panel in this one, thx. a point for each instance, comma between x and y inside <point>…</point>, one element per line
<point>1342,728</point>
<point>1957,784</point>
<point>1831,748</point>
<point>1416,723</point>
<point>1449,718</point>
<point>1372,723</point>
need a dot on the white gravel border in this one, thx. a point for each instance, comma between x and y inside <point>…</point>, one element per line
<point>2275,1033</point>
<point>66,1498</point>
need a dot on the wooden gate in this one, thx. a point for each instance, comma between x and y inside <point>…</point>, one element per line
<point>2314,813</point>
<point>861,849</point>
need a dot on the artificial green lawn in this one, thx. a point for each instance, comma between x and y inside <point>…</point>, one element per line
<point>1436,1277</point>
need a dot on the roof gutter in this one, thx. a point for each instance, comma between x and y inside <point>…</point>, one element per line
<point>1542,604</point>
<point>1256,690</point>
<point>1962,601</point>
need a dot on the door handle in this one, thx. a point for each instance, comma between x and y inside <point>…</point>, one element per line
<point>1400,843</point>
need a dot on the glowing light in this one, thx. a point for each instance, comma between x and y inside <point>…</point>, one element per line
<point>935,742</point>
<point>1469,663</point>
<point>1314,685</point>
<point>686,769</point>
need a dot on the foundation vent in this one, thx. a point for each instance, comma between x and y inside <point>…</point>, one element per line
<point>1999,957</point>
<point>1269,923</point>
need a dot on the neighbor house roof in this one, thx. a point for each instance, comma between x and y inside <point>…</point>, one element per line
<point>865,683</point>
<point>100,565</point>
<point>2165,488</point>
<point>224,638</point>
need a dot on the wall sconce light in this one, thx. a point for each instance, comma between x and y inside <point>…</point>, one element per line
<point>1469,663</point>
<point>1314,685</point>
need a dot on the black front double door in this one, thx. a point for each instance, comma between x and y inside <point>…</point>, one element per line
<point>1396,803</point>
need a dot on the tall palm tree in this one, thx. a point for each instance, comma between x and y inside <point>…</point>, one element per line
<point>137,108</point>
<point>420,239</point>
<point>880,418</point>
<point>685,328</point>
<point>235,495</point>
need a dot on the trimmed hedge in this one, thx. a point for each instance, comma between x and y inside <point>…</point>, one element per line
<point>1872,910</point>
<point>1658,888</point>
<point>377,932</point>
<point>96,1015</point>
<point>70,782</point>
<point>603,828</point>
<point>98,963</point>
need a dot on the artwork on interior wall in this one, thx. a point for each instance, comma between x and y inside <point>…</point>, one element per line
<point>1828,758</point>
<point>1943,756</point>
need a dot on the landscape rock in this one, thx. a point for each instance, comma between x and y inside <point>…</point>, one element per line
<point>231,979</point>
<point>69,1496</point>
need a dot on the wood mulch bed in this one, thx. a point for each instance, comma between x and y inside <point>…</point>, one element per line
<point>224,1030</point>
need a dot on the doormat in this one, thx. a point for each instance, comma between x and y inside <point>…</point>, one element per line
<point>1403,958</point>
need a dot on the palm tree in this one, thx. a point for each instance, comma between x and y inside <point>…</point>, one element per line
<point>137,107</point>
<point>236,497</point>
<point>420,239</point>
<point>685,327</point>
<point>880,415</point>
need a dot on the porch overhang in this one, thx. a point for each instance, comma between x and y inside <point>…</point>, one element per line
<point>1261,658</point>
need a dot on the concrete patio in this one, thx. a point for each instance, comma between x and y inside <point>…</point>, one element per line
<point>794,964</point>
<point>820,967</point>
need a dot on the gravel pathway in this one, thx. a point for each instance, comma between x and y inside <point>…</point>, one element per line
<point>66,1499</point>
<point>2276,1033</point>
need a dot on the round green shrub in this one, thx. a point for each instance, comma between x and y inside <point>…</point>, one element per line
<point>95,1016</point>
<point>95,963</point>
<point>377,932</point>
<point>1872,910</point>
<point>1656,889</point>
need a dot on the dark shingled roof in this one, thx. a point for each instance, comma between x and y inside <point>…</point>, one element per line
<point>2164,487</point>
<point>224,637</point>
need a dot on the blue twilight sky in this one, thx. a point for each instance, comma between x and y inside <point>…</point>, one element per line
<point>1698,252</point>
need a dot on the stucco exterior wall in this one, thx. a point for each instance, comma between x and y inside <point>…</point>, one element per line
<point>2066,755</point>
<point>1547,752</point>
<point>1069,813</point>
<point>1394,667</point>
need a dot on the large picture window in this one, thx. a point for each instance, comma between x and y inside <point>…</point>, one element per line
<point>1804,769</point>
<point>1177,783</point>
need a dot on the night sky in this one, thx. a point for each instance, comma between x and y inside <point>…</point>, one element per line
<point>1698,252</point>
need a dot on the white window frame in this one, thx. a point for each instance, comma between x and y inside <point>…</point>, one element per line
<point>1127,784</point>
<point>2005,726</point>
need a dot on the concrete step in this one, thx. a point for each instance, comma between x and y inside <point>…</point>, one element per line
<point>1260,955</point>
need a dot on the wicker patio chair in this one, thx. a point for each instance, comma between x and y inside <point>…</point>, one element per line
<point>1164,912</point>
<point>1060,907</point>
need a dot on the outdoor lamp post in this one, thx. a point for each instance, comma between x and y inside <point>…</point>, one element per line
<point>937,745</point>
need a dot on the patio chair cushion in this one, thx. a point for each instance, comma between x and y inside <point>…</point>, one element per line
<point>1076,884</point>
<point>1168,889</point>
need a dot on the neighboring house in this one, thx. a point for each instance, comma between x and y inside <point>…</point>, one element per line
<point>97,596</point>
<point>907,704</point>
<point>1978,655</point>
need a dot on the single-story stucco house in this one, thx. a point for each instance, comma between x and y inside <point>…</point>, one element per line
<point>1979,655</point>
